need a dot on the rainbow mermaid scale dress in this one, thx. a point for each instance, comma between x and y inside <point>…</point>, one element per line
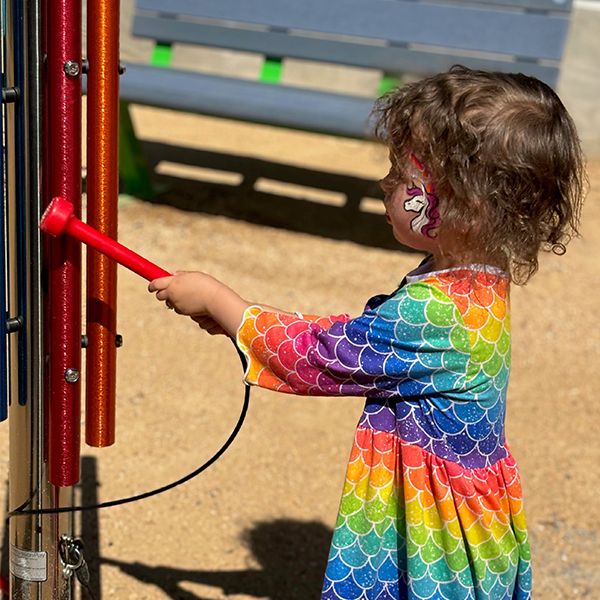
<point>432,503</point>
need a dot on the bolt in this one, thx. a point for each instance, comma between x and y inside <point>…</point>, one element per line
<point>71,375</point>
<point>71,68</point>
<point>118,340</point>
<point>14,324</point>
<point>10,94</point>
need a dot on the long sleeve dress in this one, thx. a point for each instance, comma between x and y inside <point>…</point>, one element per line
<point>432,503</point>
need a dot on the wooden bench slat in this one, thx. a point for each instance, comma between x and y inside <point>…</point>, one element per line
<point>225,97</point>
<point>397,21</point>
<point>390,59</point>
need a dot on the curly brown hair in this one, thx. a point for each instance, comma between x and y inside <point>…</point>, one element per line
<point>504,157</point>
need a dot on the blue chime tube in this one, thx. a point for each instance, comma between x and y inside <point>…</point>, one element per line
<point>20,191</point>
<point>3,328</point>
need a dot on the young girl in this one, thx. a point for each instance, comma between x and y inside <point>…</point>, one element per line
<point>486,171</point>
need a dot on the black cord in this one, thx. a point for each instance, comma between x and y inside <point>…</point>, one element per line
<point>71,509</point>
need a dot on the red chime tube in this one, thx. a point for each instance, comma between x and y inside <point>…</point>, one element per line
<point>102,197</point>
<point>63,176</point>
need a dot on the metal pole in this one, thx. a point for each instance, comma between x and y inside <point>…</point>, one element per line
<point>36,569</point>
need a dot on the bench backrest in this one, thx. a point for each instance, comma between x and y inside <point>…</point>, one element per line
<point>395,36</point>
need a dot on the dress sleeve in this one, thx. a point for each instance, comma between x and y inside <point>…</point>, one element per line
<point>412,341</point>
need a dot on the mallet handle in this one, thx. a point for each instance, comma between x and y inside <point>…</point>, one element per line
<point>113,249</point>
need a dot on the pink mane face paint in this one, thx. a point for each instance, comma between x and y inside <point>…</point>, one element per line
<point>423,201</point>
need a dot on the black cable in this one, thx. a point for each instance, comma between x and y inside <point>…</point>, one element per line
<point>71,509</point>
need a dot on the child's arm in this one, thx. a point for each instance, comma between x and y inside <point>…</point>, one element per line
<point>413,341</point>
<point>210,303</point>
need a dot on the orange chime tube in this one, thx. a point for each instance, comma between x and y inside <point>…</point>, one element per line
<point>102,198</point>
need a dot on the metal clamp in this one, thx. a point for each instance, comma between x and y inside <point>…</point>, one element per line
<point>71,555</point>
<point>85,67</point>
<point>85,341</point>
<point>73,562</point>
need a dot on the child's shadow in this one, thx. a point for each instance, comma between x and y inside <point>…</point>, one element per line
<point>292,557</point>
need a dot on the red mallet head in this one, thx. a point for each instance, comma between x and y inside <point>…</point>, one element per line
<point>59,219</point>
<point>57,216</point>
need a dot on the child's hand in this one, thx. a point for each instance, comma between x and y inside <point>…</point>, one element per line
<point>216,308</point>
<point>187,293</point>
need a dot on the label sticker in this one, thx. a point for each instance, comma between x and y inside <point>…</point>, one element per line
<point>28,565</point>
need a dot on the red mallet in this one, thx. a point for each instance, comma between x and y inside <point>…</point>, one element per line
<point>59,218</point>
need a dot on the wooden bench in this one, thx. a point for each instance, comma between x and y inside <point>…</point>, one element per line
<point>393,37</point>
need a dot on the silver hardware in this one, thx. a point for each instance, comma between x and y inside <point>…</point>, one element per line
<point>71,555</point>
<point>10,94</point>
<point>73,562</point>
<point>71,68</point>
<point>14,324</point>
<point>71,375</point>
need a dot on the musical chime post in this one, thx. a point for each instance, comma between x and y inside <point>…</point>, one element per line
<point>44,66</point>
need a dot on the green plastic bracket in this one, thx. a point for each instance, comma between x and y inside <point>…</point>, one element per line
<point>134,173</point>
<point>272,69</point>
<point>162,55</point>
<point>387,83</point>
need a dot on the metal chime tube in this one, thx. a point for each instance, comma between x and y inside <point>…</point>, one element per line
<point>3,307</point>
<point>102,197</point>
<point>64,179</point>
<point>35,567</point>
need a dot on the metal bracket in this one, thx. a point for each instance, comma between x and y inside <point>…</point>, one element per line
<point>85,341</point>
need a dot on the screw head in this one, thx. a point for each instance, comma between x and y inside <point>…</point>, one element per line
<point>71,68</point>
<point>71,375</point>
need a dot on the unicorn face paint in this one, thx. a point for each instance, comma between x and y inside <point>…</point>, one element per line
<point>402,200</point>
<point>425,203</point>
<point>422,200</point>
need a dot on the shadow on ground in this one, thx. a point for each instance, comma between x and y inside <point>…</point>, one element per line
<point>291,554</point>
<point>346,217</point>
<point>291,557</point>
